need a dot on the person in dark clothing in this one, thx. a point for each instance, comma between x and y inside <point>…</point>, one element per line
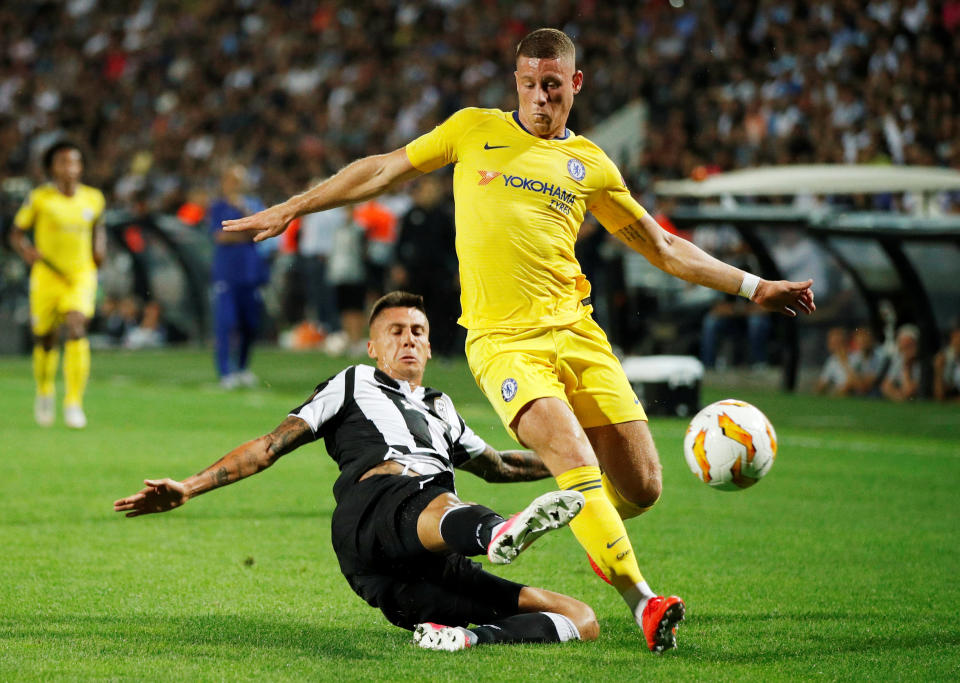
<point>426,262</point>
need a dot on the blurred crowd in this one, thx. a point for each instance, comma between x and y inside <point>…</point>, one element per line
<point>859,366</point>
<point>162,92</point>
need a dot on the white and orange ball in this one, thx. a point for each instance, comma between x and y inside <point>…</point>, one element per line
<point>730,445</point>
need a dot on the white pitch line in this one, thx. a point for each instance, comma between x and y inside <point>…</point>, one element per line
<point>865,447</point>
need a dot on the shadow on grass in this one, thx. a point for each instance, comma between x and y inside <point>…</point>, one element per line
<point>27,517</point>
<point>202,636</point>
<point>764,638</point>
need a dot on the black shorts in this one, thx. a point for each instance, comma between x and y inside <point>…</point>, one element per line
<point>351,297</point>
<point>374,534</point>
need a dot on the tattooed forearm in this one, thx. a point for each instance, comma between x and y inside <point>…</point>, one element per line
<point>631,233</point>
<point>251,457</point>
<point>505,466</point>
<point>522,466</point>
<point>289,435</point>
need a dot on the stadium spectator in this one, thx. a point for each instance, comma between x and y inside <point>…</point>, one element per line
<point>69,245</point>
<point>946,369</point>
<point>543,363</point>
<point>869,362</point>
<point>238,272</point>
<point>314,249</point>
<point>732,318</point>
<point>401,534</point>
<point>118,316</point>
<point>902,381</point>
<point>426,262</point>
<point>379,223</point>
<point>149,332</point>
<point>347,275</point>
<point>837,376</point>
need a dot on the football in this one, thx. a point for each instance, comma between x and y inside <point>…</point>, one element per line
<point>730,445</point>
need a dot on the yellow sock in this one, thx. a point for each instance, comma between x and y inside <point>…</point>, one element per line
<point>600,530</point>
<point>624,507</point>
<point>76,370</point>
<point>45,369</point>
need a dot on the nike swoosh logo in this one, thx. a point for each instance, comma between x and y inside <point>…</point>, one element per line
<point>487,145</point>
<point>610,545</point>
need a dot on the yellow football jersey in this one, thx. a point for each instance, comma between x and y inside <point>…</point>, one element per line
<point>63,226</point>
<point>520,201</point>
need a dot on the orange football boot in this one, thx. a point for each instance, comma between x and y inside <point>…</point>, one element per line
<point>661,616</point>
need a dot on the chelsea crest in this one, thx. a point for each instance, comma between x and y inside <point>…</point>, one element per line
<point>576,169</point>
<point>508,389</point>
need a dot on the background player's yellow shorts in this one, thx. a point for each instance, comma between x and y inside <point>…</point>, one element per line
<point>573,363</point>
<point>51,296</point>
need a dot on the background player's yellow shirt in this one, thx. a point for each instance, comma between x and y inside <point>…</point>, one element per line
<point>63,226</point>
<point>520,201</point>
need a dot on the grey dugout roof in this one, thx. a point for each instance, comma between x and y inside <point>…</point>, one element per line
<point>826,179</point>
<point>892,233</point>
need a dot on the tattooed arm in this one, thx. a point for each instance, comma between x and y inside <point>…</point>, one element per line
<point>685,260</point>
<point>503,466</point>
<point>254,456</point>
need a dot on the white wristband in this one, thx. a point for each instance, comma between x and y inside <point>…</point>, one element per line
<point>749,286</point>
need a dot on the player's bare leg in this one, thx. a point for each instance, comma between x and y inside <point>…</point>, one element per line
<point>550,428</point>
<point>544,617</point>
<point>76,368</point>
<point>543,600</point>
<point>630,464</point>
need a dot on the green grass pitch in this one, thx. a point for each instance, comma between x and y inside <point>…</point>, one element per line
<point>843,564</point>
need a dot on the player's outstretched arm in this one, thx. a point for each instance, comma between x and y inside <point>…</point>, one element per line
<point>505,466</point>
<point>161,495</point>
<point>359,181</point>
<point>685,260</point>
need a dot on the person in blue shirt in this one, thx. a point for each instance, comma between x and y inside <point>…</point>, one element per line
<point>238,272</point>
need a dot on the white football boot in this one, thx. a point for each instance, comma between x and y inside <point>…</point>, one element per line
<point>548,512</point>
<point>44,410</point>
<point>439,637</point>
<point>74,417</point>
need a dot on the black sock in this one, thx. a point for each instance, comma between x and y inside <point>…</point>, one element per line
<point>467,530</point>
<point>533,627</point>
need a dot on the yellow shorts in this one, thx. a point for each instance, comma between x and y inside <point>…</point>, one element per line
<point>52,296</point>
<point>573,363</point>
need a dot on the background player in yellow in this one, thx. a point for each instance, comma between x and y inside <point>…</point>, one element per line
<point>69,244</point>
<point>522,185</point>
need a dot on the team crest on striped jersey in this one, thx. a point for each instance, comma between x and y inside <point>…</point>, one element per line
<point>576,169</point>
<point>487,176</point>
<point>440,408</point>
<point>508,389</point>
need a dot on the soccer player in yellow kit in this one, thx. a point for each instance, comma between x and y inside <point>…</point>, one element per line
<point>69,244</point>
<point>523,183</point>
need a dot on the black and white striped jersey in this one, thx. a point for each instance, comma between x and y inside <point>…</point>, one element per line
<point>365,417</point>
